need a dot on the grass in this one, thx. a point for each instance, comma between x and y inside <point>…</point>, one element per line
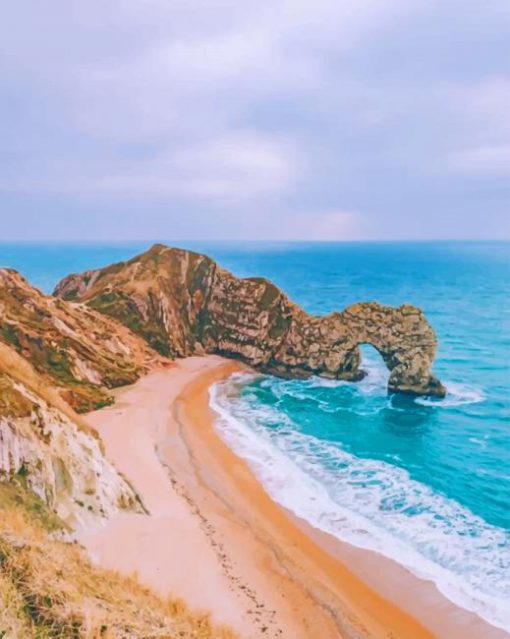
<point>15,495</point>
<point>50,590</point>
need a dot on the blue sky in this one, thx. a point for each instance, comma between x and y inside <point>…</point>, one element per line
<point>275,119</point>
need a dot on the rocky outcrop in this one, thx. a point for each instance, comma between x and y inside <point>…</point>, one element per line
<point>52,450</point>
<point>183,303</point>
<point>82,352</point>
<point>159,295</point>
<point>56,356</point>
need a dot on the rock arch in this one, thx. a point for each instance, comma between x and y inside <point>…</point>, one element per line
<point>193,306</point>
<point>329,346</point>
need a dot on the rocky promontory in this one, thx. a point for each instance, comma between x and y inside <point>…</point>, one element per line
<point>183,303</point>
<point>82,353</point>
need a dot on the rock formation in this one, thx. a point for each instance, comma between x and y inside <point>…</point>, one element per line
<point>51,449</point>
<point>81,351</point>
<point>183,303</point>
<point>55,358</point>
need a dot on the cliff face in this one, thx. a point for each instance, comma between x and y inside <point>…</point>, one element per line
<point>57,357</point>
<point>52,450</point>
<point>81,351</point>
<point>183,303</point>
<point>158,295</point>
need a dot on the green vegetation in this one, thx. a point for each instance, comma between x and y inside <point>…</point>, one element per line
<point>16,493</point>
<point>270,295</point>
<point>58,363</point>
<point>9,334</point>
<point>84,396</point>
<point>279,326</point>
<point>120,307</point>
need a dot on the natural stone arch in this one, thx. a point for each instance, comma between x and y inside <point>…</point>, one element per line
<point>329,346</point>
<point>370,356</point>
<point>184,303</point>
<point>405,341</point>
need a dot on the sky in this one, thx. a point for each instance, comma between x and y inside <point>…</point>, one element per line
<point>254,120</point>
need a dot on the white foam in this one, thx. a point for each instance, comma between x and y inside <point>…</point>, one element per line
<point>371,504</point>
<point>376,381</point>
<point>456,395</point>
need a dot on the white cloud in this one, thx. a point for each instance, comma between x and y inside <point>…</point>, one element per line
<point>236,167</point>
<point>277,105</point>
<point>233,168</point>
<point>187,83</point>
<point>241,164</point>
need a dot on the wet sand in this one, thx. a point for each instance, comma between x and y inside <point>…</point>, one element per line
<point>215,538</point>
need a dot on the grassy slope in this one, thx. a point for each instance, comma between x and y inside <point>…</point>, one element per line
<point>49,589</point>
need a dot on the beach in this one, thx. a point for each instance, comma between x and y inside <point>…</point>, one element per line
<point>214,537</point>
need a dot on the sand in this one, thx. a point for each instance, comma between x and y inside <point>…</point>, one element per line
<point>215,538</point>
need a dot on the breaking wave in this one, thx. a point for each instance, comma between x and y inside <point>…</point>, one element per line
<point>369,503</point>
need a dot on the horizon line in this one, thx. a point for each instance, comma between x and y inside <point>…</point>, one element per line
<point>246,241</point>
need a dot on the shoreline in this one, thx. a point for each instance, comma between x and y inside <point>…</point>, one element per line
<point>263,571</point>
<point>396,583</point>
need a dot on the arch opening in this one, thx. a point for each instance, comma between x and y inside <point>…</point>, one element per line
<point>373,365</point>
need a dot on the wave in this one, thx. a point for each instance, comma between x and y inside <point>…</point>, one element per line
<point>376,380</point>
<point>456,395</point>
<point>370,504</point>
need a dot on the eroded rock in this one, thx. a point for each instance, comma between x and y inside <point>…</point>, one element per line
<point>53,451</point>
<point>84,353</point>
<point>183,303</point>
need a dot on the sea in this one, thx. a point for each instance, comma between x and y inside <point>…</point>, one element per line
<point>423,481</point>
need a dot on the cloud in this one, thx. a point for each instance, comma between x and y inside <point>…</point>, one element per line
<point>237,167</point>
<point>193,81</point>
<point>282,106</point>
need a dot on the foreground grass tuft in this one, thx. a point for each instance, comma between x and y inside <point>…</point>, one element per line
<point>49,589</point>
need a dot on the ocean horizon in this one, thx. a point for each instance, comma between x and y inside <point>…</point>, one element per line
<point>423,481</point>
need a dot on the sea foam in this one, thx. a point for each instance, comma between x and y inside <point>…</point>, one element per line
<point>371,504</point>
<point>456,395</point>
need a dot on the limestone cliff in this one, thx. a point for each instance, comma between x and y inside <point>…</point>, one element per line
<point>56,356</point>
<point>183,303</point>
<point>81,351</point>
<point>52,450</point>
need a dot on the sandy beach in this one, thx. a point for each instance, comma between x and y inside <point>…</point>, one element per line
<point>215,538</point>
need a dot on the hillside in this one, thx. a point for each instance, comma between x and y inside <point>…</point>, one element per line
<point>55,478</point>
<point>81,352</point>
<point>49,589</point>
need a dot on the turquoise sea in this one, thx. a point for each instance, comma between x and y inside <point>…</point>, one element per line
<point>423,481</point>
